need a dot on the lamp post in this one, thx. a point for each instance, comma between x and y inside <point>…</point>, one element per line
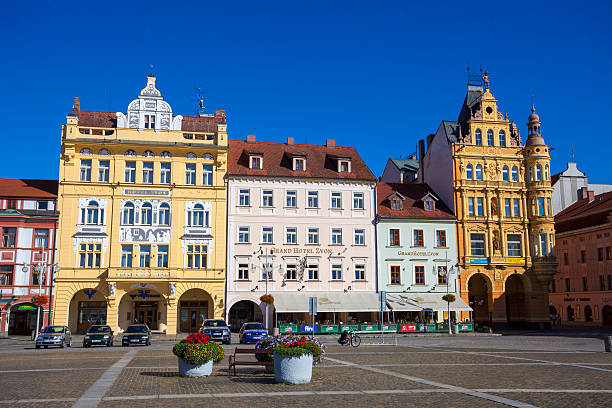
<point>446,274</point>
<point>40,269</point>
<point>266,270</point>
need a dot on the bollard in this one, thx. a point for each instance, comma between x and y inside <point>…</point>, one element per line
<point>455,328</point>
<point>608,343</point>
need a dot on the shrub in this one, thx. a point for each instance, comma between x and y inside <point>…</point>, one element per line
<point>197,349</point>
<point>290,345</point>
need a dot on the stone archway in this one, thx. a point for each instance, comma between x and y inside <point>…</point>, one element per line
<point>479,295</point>
<point>244,311</point>
<point>516,309</point>
<point>588,314</point>
<point>142,306</point>
<point>22,318</point>
<point>87,306</point>
<point>195,305</point>
<point>606,315</point>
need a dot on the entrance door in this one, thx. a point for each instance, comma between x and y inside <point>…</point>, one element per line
<point>146,313</point>
<point>192,314</point>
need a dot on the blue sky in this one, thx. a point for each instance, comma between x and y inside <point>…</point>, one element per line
<point>376,75</point>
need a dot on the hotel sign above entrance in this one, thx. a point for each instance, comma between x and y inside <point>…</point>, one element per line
<point>302,251</point>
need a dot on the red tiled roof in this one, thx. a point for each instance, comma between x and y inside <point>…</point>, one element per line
<point>412,206</point>
<point>584,213</point>
<point>554,178</point>
<point>277,160</point>
<point>16,188</point>
<point>97,119</point>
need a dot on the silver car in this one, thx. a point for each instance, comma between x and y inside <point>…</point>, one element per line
<point>54,336</point>
<point>217,330</point>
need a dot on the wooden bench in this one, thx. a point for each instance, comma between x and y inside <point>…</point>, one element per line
<point>233,362</point>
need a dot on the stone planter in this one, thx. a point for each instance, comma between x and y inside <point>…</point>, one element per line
<point>189,370</point>
<point>293,370</point>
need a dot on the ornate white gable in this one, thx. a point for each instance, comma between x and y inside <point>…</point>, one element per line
<point>149,103</point>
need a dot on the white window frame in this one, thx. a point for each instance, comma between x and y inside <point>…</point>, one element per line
<point>337,267</point>
<point>336,200</point>
<point>85,170</point>
<point>242,230</point>
<point>267,195</point>
<point>190,174</point>
<point>148,172</point>
<point>361,235</point>
<point>290,195</point>
<point>314,195</point>
<point>244,197</point>
<point>333,233</point>
<point>207,174</point>
<point>291,236</point>
<point>103,171</point>
<point>240,269</point>
<point>165,175</point>
<point>314,232</point>
<point>357,200</point>
<point>265,233</point>
<point>361,266</point>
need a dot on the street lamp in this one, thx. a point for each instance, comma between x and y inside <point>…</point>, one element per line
<point>40,269</point>
<point>265,268</point>
<point>446,274</point>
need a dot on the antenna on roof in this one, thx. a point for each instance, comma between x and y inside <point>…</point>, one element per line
<point>199,101</point>
<point>110,97</point>
<point>572,158</point>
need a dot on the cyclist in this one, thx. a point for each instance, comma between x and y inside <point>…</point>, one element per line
<point>344,338</point>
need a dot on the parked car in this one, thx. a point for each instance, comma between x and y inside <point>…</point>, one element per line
<point>54,336</point>
<point>217,330</point>
<point>98,335</point>
<point>252,332</point>
<point>136,334</point>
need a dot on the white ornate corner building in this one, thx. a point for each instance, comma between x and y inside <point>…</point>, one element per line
<point>142,203</point>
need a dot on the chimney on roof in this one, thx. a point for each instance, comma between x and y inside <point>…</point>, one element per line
<point>76,107</point>
<point>219,114</point>
<point>421,176</point>
<point>330,143</point>
<point>290,141</point>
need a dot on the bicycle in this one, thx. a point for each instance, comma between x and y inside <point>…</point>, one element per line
<point>353,339</point>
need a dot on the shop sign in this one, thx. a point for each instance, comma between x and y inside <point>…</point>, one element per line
<point>143,274</point>
<point>26,307</point>
<point>408,327</point>
<point>577,299</point>
<point>288,329</point>
<point>497,151</point>
<point>329,329</point>
<point>302,251</point>
<point>132,191</point>
<point>369,327</point>
<point>308,329</point>
<point>417,253</point>
<point>478,260</point>
<point>515,260</point>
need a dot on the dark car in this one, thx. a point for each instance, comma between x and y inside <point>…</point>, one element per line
<point>98,335</point>
<point>136,334</point>
<point>54,336</point>
<point>217,330</point>
<point>252,332</point>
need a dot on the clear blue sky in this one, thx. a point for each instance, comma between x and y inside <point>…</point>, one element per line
<point>376,75</point>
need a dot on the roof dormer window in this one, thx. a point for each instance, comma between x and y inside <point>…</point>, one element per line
<point>344,166</point>
<point>255,162</point>
<point>299,164</point>
<point>396,204</point>
<point>429,204</point>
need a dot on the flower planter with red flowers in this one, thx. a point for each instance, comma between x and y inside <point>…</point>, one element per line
<point>448,298</point>
<point>269,299</point>
<point>196,355</point>
<point>39,300</point>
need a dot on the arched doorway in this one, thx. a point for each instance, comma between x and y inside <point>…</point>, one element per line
<point>516,309</point>
<point>242,312</point>
<point>87,307</point>
<point>195,306</point>
<point>142,306</point>
<point>478,295</point>
<point>552,310</point>
<point>588,314</point>
<point>606,315</point>
<point>22,319</point>
<point>570,314</point>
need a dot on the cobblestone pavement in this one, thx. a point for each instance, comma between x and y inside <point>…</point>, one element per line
<point>520,371</point>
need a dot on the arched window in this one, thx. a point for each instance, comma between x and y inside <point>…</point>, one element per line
<point>165,154</point>
<point>164,214</point>
<point>104,152</point>
<point>130,153</point>
<point>546,172</point>
<point>514,173</point>
<point>92,213</point>
<point>538,172</point>
<point>208,156</point>
<point>128,214</point>
<point>502,138</point>
<point>148,153</point>
<point>478,172</point>
<point>146,214</point>
<point>505,173</point>
<point>490,138</point>
<point>197,216</point>
<point>85,151</point>
<point>478,138</point>
<point>190,156</point>
<point>469,172</point>
<point>530,173</point>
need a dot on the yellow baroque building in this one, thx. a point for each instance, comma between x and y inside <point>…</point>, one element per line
<point>142,200</point>
<point>501,194</point>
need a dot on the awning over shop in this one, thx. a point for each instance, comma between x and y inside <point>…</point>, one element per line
<point>326,302</point>
<point>416,302</point>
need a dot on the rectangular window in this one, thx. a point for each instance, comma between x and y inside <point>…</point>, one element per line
<point>147,172</point>
<point>197,256</point>
<point>565,259</point>
<point>477,244</point>
<point>508,207</point>
<point>441,238</point>
<point>313,272</point>
<point>300,165</point>
<point>190,174</point>
<point>90,255</point>
<point>149,121</point>
<point>9,235</point>
<point>6,275</point>
<point>291,235</point>
<point>418,238</point>
<point>336,201</point>
<point>243,235</point>
<point>344,166</point>
<point>608,253</point>
<point>42,205</point>
<point>207,175</point>
<point>267,235</point>
<point>313,236</point>
<point>553,285</point>
<point>567,285</point>
<point>41,238</point>
<point>541,206</point>
<point>602,282</point>
<point>514,245</point>
<point>244,198</point>
<point>126,256</point>
<point>359,272</point>
<point>359,237</point>
<point>85,170</point>
<point>585,285</point>
<point>419,275</point>
<point>162,256</point>
<point>256,162</point>
<point>442,275</point>
<point>609,282</point>
<point>11,204</point>
<point>145,256</point>
<point>471,206</point>
<point>291,272</point>
<point>395,275</point>
<point>583,256</point>
<point>336,272</point>
<point>313,199</point>
<point>243,271</point>
<point>103,170</point>
<point>291,199</point>
<point>166,173</point>
<point>600,254</point>
<point>358,201</point>
<point>336,236</point>
<point>517,211</point>
<point>394,237</point>
<point>543,245</point>
<point>479,206</point>
<point>267,198</point>
<point>130,172</point>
